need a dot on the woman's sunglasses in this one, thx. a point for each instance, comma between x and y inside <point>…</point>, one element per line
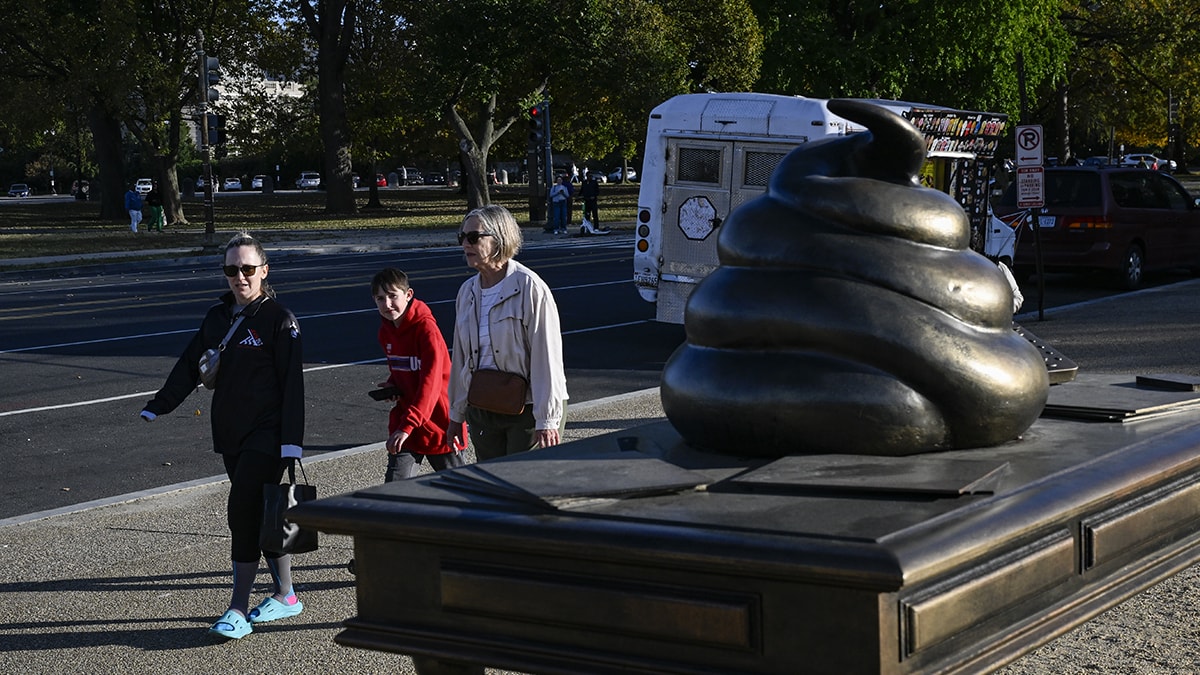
<point>246,270</point>
<point>472,237</point>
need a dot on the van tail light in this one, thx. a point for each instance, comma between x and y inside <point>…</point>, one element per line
<point>1089,223</point>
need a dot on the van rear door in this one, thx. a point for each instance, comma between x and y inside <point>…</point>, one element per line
<point>704,182</point>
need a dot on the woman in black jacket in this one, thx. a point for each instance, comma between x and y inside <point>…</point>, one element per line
<point>257,419</point>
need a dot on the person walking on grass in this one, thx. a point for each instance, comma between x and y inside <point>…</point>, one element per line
<point>133,206</point>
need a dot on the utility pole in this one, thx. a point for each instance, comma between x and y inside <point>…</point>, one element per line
<point>210,74</point>
<point>538,159</point>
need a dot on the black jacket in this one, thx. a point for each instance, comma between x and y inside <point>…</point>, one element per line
<point>258,403</point>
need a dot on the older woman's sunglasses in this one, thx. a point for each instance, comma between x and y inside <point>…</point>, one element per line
<point>472,237</point>
<point>246,270</point>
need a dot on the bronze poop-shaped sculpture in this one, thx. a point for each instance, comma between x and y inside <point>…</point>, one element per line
<point>848,315</point>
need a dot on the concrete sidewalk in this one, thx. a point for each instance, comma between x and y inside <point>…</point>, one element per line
<point>132,586</point>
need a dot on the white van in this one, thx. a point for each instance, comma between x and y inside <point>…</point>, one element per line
<point>707,154</point>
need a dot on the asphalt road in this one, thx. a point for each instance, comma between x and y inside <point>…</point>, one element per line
<point>83,350</point>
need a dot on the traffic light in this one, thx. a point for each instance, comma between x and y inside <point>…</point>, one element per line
<point>538,130</point>
<point>210,75</point>
<point>216,129</point>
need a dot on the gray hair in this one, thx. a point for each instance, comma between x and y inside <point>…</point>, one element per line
<point>500,223</point>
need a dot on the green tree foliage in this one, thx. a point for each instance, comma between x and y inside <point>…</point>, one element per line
<point>1132,58</point>
<point>642,53</point>
<point>636,58</point>
<point>723,42</point>
<point>943,52</point>
<point>65,68</point>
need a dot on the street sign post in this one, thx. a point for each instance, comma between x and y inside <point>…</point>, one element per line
<point>1029,145</point>
<point>1031,190</point>
<point>1031,193</point>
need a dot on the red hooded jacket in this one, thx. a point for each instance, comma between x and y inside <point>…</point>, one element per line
<point>419,366</point>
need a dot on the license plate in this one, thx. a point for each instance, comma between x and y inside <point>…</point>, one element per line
<point>1047,221</point>
<point>646,280</point>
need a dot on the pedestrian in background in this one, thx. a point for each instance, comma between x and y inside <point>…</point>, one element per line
<point>591,205</point>
<point>569,183</point>
<point>257,419</point>
<point>154,202</point>
<point>506,320</point>
<point>558,206</point>
<point>133,205</point>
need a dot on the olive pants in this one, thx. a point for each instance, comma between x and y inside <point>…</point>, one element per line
<point>497,435</point>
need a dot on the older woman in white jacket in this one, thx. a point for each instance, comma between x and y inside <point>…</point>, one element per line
<point>505,320</point>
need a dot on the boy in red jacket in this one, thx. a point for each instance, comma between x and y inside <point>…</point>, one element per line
<point>419,366</point>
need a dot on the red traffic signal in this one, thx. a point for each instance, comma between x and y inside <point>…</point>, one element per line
<point>535,111</point>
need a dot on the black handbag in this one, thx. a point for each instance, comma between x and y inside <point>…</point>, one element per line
<point>278,534</point>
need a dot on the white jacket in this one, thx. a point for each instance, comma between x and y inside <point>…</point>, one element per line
<point>526,339</point>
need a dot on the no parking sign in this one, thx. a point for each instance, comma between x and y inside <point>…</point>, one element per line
<point>1030,174</point>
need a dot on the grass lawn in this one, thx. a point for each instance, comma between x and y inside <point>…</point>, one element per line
<point>35,227</point>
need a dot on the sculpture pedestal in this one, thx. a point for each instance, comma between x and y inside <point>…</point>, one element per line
<point>764,569</point>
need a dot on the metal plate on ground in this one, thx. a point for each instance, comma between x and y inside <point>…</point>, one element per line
<point>1172,382</point>
<point>1060,368</point>
<point>1115,398</point>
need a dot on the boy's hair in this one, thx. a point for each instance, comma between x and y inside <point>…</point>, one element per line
<point>389,277</point>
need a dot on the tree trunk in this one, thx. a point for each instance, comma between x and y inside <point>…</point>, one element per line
<point>475,183</point>
<point>335,135</point>
<point>334,30</point>
<point>106,134</point>
<point>168,176</point>
<point>473,149</point>
<point>168,189</point>
<point>1064,125</point>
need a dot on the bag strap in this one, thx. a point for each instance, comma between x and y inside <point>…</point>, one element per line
<point>292,471</point>
<point>229,335</point>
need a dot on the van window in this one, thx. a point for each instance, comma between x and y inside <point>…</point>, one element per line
<point>1134,190</point>
<point>699,165</point>
<point>1170,194</point>
<point>760,166</point>
<point>1075,189</point>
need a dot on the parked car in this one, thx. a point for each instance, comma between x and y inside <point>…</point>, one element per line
<point>380,180</point>
<point>597,174</point>
<point>1099,162</point>
<point>308,180</point>
<point>232,185</point>
<point>1123,220</point>
<point>18,190</point>
<point>408,175</point>
<point>435,178</point>
<point>1137,160</point>
<point>614,176</point>
<point>256,183</point>
<point>144,186</point>
<point>200,183</point>
<point>356,180</point>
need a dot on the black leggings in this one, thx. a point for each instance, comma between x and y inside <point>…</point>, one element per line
<point>248,472</point>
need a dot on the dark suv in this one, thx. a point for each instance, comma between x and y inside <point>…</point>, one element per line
<point>1118,219</point>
